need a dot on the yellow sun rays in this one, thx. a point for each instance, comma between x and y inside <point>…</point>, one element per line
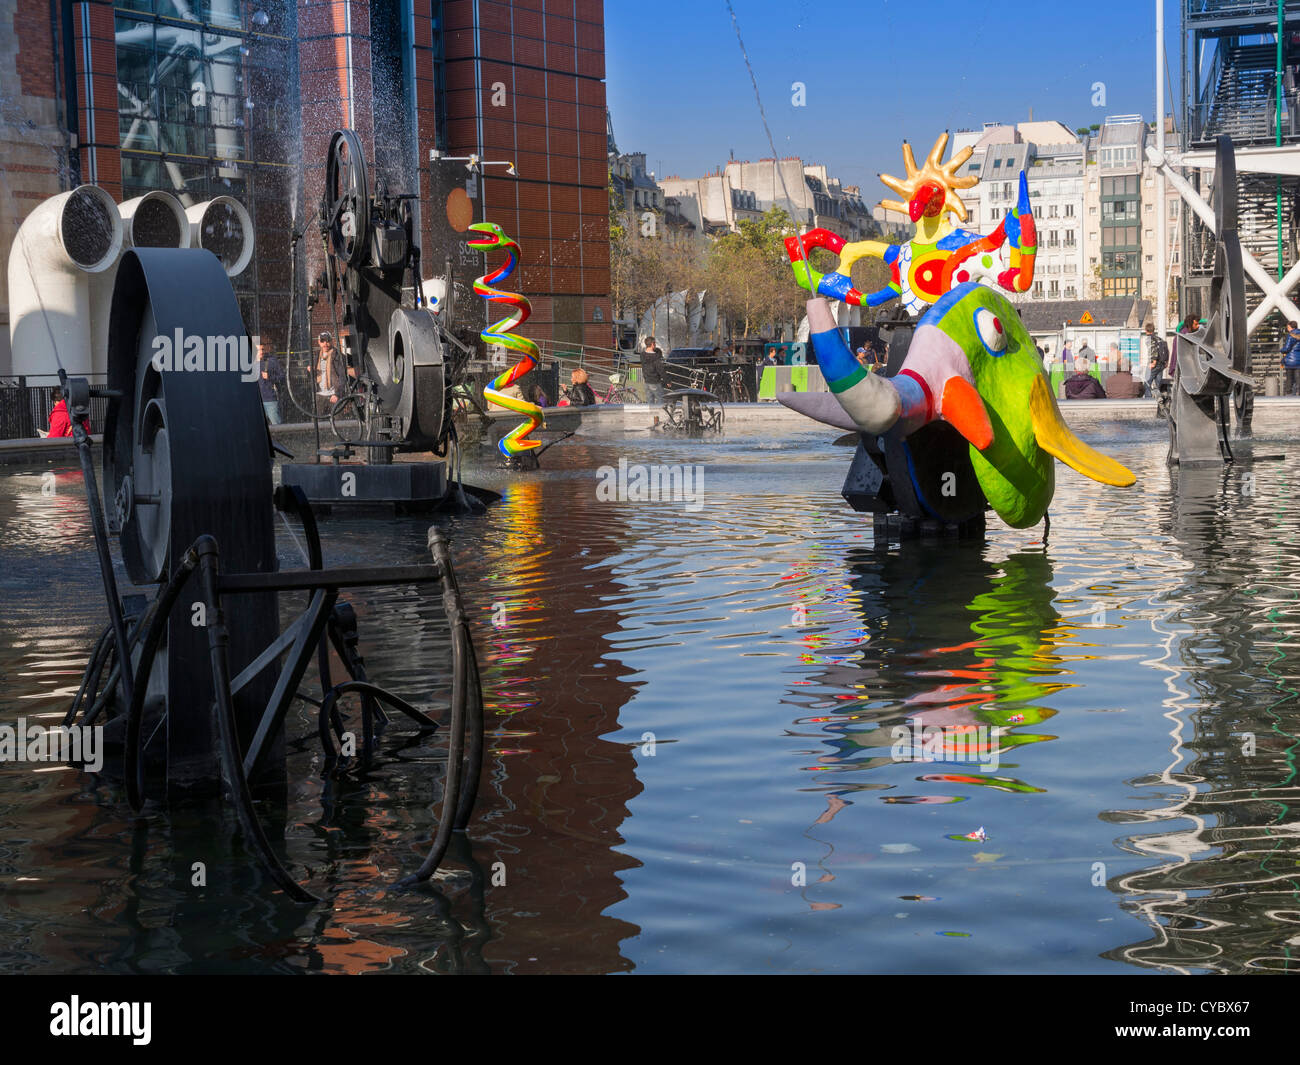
<point>944,174</point>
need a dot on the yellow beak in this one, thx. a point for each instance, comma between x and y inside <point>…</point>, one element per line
<point>1055,437</point>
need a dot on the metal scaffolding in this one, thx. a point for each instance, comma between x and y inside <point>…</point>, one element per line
<point>1240,68</point>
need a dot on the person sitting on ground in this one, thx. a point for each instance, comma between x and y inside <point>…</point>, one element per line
<point>580,393</point>
<point>1082,385</point>
<point>1120,384</point>
<point>60,422</point>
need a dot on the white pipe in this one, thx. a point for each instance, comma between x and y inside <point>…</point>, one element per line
<point>63,242</point>
<point>223,226</point>
<point>154,220</point>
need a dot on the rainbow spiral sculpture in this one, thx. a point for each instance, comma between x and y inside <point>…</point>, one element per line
<point>514,442</point>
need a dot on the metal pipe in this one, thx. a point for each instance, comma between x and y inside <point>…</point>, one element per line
<point>132,756</point>
<point>218,641</point>
<point>100,531</point>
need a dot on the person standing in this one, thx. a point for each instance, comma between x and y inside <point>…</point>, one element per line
<point>652,366</point>
<point>1157,359</point>
<point>1084,355</point>
<point>1291,360</point>
<point>327,368</point>
<point>271,376</point>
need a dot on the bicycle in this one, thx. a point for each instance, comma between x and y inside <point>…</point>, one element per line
<point>618,391</point>
<point>730,386</point>
<point>697,379</point>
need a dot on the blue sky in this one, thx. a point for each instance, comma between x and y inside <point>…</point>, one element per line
<point>875,74</point>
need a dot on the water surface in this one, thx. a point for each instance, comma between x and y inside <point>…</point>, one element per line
<point>692,714</point>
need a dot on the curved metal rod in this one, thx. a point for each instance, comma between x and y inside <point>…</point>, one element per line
<point>451,792</point>
<point>231,763</point>
<point>95,667</point>
<point>106,696</point>
<point>357,399</point>
<point>474,756</point>
<point>461,786</point>
<point>132,756</point>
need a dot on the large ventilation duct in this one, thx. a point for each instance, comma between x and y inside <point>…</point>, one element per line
<point>63,266</point>
<point>154,220</point>
<point>223,227</point>
<point>66,240</point>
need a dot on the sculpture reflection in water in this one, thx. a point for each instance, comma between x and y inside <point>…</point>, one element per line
<point>1224,894</point>
<point>967,647</point>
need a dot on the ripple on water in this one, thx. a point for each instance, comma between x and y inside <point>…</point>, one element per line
<point>701,738</point>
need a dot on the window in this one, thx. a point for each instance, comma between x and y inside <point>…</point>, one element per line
<point>1151,258</point>
<point>1069,210</point>
<point>1150,207</point>
<point>997,163</point>
<point>1038,290</point>
<point>993,214</point>
<point>1150,233</point>
<point>1070,292</point>
<point>1052,290</point>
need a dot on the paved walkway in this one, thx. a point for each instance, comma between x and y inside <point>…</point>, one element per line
<point>1273,415</point>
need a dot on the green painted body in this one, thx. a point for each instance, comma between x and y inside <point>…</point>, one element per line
<point>1018,477</point>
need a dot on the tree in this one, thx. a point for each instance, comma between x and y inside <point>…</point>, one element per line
<point>749,273</point>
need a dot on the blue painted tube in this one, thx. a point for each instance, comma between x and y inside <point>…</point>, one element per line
<point>869,399</point>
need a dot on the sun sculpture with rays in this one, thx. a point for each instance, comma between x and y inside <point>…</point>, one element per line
<point>940,254</point>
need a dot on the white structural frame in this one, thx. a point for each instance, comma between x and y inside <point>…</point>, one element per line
<point>1267,159</point>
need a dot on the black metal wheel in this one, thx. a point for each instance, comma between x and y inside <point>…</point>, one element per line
<point>168,485</point>
<point>347,198</point>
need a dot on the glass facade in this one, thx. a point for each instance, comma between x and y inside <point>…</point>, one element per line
<point>207,107</point>
<point>1121,259</point>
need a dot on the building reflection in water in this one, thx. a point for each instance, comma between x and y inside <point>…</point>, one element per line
<point>1224,894</point>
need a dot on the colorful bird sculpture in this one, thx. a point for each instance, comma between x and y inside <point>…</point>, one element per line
<point>972,363</point>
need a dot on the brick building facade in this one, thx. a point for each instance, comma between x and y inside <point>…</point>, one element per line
<point>243,102</point>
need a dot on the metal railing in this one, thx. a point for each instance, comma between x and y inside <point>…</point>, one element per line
<point>25,407</point>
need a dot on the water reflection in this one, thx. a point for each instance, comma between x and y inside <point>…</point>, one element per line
<point>1224,894</point>
<point>948,640</point>
<point>773,652</point>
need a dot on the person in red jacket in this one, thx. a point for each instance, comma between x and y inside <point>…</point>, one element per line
<point>60,423</point>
